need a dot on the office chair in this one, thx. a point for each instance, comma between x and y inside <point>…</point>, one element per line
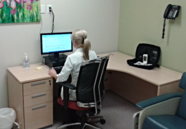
<point>89,92</point>
<point>166,111</point>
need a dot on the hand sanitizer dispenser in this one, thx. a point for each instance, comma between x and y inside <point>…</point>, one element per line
<point>26,63</point>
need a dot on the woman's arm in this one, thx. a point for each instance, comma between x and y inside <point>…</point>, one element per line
<point>66,70</point>
<point>52,73</point>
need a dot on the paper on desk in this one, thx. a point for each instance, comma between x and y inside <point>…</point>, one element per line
<point>38,68</point>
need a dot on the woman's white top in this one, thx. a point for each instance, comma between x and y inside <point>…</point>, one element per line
<point>72,66</point>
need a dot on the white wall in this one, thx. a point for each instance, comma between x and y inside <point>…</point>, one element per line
<point>141,21</point>
<point>99,17</point>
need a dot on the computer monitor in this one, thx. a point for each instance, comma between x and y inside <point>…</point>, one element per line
<point>56,43</point>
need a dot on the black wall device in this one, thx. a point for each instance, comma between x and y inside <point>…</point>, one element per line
<point>171,12</point>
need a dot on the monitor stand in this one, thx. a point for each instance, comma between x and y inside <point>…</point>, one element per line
<point>56,55</point>
<point>55,60</point>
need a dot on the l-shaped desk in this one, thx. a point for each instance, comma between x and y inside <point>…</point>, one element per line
<point>31,96</point>
<point>136,84</point>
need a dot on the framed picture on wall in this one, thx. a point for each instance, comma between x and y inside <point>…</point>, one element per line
<point>19,11</point>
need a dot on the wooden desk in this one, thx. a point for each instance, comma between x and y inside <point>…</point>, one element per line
<point>136,84</point>
<point>30,90</point>
<point>31,96</point>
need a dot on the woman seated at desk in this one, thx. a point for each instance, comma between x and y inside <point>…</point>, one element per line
<point>73,61</point>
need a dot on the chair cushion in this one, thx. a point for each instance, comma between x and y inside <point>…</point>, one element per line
<point>164,122</point>
<point>71,105</point>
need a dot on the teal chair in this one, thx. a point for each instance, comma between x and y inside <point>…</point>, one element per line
<point>167,111</point>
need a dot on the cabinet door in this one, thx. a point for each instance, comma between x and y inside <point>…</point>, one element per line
<point>39,115</point>
<point>37,86</point>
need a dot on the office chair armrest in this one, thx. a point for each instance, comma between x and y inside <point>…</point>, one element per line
<point>67,85</point>
<point>155,100</point>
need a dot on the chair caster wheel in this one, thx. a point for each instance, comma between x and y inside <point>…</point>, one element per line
<point>102,121</point>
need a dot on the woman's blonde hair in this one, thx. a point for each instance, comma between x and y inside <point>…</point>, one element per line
<point>80,37</point>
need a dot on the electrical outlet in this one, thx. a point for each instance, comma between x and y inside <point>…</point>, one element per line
<point>48,8</point>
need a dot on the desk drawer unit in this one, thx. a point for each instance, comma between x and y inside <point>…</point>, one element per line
<point>38,104</point>
<point>31,96</point>
<point>39,115</point>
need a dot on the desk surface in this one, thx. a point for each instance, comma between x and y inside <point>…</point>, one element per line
<point>117,62</point>
<point>158,76</point>
<point>29,74</point>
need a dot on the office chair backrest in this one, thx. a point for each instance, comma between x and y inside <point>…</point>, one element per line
<point>86,80</point>
<point>101,75</point>
<point>181,109</point>
<point>88,90</point>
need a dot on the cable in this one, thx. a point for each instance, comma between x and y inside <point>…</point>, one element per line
<point>53,22</point>
<point>164,28</point>
<point>40,31</point>
<point>40,28</point>
<point>50,9</point>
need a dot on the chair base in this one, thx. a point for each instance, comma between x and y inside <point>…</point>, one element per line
<point>96,119</point>
<point>78,123</point>
<point>67,125</point>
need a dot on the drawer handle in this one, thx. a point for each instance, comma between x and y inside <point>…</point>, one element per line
<point>39,107</point>
<point>35,96</point>
<point>34,84</point>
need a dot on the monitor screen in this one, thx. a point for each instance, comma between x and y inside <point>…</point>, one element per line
<point>56,42</point>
